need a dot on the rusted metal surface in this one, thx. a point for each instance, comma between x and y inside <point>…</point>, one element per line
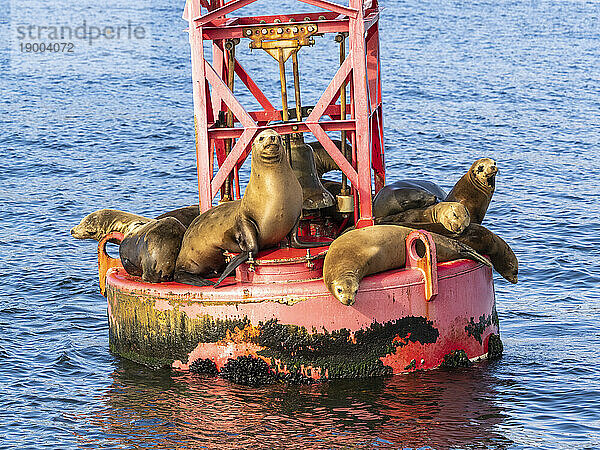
<point>390,325</point>
<point>278,36</point>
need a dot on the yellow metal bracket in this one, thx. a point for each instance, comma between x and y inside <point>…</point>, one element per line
<point>421,255</point>
<point>288,38</point>
<point>105,261</point>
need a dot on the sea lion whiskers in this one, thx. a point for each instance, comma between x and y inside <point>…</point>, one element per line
<point>345,289</point>
<point>271,157</point>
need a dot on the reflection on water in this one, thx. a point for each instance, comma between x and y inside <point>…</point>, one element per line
<point>439,409</point>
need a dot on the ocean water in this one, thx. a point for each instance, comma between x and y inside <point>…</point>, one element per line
<point>110,125</point>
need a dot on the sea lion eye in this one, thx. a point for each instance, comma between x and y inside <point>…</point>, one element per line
<point>480,169</point>
<point>260,139</point>
<point>339,290</point>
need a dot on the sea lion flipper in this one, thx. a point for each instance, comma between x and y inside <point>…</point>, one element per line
<point>247,239</point>
<point>192,279</point>
<point>233,264</point>
<point>468,253</point>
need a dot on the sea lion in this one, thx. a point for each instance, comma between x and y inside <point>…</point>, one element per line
<point>150,251</point>
<point>334,187</point>
<point>323,161</point>
<point>268,211</point>
<point>185,215</point>
<point>303,165</point>
<point>198,259</point>
<point>369,250</point>
<point>475,188</point>
<point>483,241</point>
<point>452,215</point>
<point>99,223</point>
<point>403,195</point>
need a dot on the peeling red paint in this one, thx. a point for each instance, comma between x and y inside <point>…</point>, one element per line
<point>163,305</point>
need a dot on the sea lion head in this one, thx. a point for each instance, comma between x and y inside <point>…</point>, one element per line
<point>512,275</point>
<point>484,171</point>
<point>89,227</point>
<point>453,216</point>
<point>508,266</point>
<point>267,147</point>
<point>99,223</point>
<point>344,288</point>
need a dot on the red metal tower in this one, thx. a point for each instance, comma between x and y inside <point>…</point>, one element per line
<point>217,110</point>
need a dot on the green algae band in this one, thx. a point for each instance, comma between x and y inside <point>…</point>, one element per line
<point>391,328</point>
<point>155,337</point>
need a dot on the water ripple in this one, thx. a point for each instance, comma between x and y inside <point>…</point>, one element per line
<point>515,81</point>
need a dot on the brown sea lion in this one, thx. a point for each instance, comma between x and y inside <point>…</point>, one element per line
<point>334,187</point>
<point>198,259</point>
<point>483,241</point>
<point>185,215</point>
<point>365,251</point>
<point>150,251</point>
<point>268,211</point>
<point>99,223</point>
<point>403,195</point>
<point>452,215</point>
<point>303,165</point>
<point>323,161</point>
<point>475,188</point>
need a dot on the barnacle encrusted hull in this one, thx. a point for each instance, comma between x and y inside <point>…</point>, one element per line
<point>298,328</point>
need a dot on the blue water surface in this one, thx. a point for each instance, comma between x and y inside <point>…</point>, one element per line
<point>111,126</point>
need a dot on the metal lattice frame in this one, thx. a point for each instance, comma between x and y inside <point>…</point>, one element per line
<point>213,98</point>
